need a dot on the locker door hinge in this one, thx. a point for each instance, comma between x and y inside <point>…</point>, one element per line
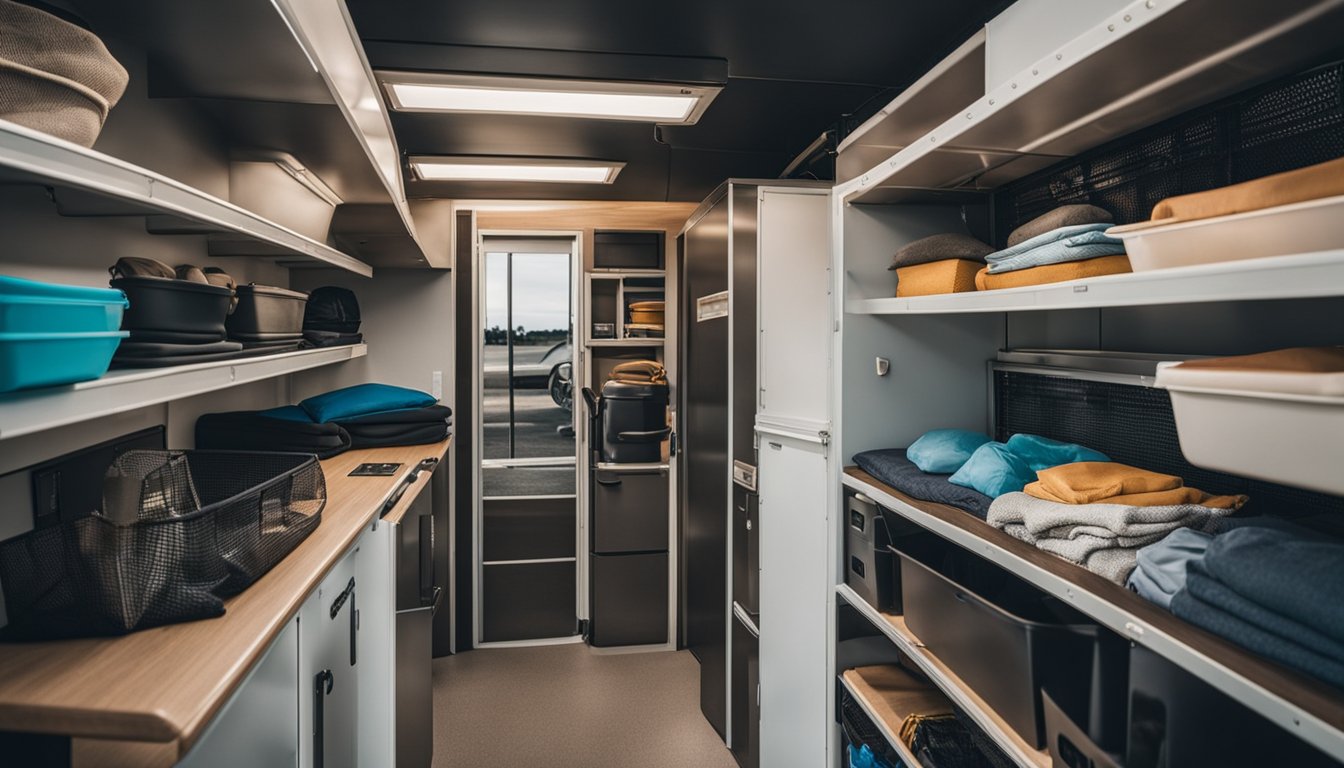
<point>825,437</point>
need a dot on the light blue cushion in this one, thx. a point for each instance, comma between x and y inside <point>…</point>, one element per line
<point>943,451</point>
<point>994,470</point>
<point>287,413</point>
<point>1043,453</point>
<point>364,399</point>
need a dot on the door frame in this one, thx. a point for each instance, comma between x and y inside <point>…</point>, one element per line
<point>575,238</point>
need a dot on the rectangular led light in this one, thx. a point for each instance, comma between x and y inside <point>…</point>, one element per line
<point>446,168</point>
<point>642,102</point>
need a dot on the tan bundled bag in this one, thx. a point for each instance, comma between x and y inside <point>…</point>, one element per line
<point>55,76</point>
<point>639,372</point>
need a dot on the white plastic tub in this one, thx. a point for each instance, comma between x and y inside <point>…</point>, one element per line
<point>1282,427</point>
<point>1315,225</point>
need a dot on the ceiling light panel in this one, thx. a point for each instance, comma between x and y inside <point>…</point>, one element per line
<point>639,102</point>
<point>441,168</point>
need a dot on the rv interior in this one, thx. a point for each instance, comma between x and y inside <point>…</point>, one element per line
<point>592,384</point>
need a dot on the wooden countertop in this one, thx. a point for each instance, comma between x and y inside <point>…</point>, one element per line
<point>166,684</point>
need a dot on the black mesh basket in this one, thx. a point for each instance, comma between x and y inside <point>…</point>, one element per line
<point>179,532</point>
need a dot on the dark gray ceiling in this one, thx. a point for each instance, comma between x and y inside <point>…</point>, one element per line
<point>795,67</point>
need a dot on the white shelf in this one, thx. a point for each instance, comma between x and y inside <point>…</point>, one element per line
<point>649,342</point>
<point>1152,60</point>
<point>946,681</point>
<point>35,410</point>
<point>1196,652</point>
<point>1275,277</point>
<point>28,156</point>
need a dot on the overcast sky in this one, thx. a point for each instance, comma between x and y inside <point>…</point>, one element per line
<point>540,290</point>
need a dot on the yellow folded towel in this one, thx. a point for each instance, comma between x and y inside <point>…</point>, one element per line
<point>1052,273</point>
<point>1310,183</point>
<point>1110,482</point>
<point>947,276</point>
<point>1294,360</point>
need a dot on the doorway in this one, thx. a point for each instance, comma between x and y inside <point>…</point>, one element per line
<point>527,524</point>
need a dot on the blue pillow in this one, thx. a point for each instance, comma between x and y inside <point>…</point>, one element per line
<point>1043,453</point>
<point>362,400</point>
<point>943,451</point>
<point>287,413</point>
<point>994,470</point>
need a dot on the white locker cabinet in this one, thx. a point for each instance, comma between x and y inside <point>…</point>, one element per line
<point>795,684</point>
<point>259,727</point>
<point>376,584</point>
<point>328,679</point>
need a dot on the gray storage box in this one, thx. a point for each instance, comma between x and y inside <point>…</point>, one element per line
<point>868,560</point>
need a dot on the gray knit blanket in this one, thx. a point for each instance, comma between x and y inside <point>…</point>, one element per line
<point>1103,538</point>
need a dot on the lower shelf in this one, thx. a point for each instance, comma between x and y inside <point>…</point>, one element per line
<point>948,682</point>
<point>864,687</point>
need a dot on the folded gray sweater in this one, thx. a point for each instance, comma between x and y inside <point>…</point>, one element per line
<point>1104,538</point>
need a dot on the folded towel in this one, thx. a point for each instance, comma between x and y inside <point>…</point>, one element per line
<point>1297,577</point>
<point>1087,482</point>
<point>1066,244</point>
<point>1217,594</point>
<point>936,277</point>
<point>1293,360</point>
<point>1310,183</point>
<point>1052,273</point>
<point>1160,570</point>
<point>941,248</point>
<point>1104,538</point>
<point>1241,632</point>
<point>1063,216</point>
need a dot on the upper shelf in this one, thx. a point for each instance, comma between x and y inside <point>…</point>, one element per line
<point>1307,708</point>
<point>1152,60</point>
<point>28,156</point>
<point>1272,277</point>
<point>34,410</point>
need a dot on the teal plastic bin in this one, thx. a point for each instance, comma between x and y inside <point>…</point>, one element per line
<point>45,359</point>
<point>29,306</point>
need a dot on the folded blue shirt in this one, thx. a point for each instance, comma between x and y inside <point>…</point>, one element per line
<point>1161,570</point>
<point>1076,243</point>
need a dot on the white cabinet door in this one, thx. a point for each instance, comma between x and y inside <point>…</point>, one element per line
<point>795,683</point>
<point>377,641</point>
<point>328,675</point>
<point>259,727</point>
<point>794,305</point>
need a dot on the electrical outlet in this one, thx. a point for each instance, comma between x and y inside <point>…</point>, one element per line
<point>436,385</point>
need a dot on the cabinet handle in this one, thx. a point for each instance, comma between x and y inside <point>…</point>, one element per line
<point>348,595</point>
<point>323,682</point>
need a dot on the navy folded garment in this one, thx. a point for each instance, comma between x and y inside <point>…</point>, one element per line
<point>256,431</point>
<point>1252,638</point>
<point>1299,578</point>
<point>1218,595</point>
<point>893,468</point>
<point>406,426</point>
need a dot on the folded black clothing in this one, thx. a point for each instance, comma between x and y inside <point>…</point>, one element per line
<point>132,361</point>
<point>318,339</point>
<point>891,467</point>
<point>941,248</point>
<point>273,347</point>
<point>139,335</point>
<point>1063,216</point>
<point>252,431</point>
<point>406,426</point>
<point>268,336</point>
<point>130,348</point>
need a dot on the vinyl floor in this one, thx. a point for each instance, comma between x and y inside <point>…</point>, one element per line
<point>566,706</point>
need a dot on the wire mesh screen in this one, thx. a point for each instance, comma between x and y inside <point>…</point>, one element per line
<point>178,533</point>
<point>1290,123</point>
<point>1134,425</point>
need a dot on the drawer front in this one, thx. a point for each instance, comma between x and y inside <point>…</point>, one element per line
<point>630,511</point>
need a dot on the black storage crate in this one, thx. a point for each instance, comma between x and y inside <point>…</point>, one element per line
<point>179,532</point>
<point>1008,641</point>
<point>168,310</point>
<point>1176,720</point>
<point>267,313</point>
